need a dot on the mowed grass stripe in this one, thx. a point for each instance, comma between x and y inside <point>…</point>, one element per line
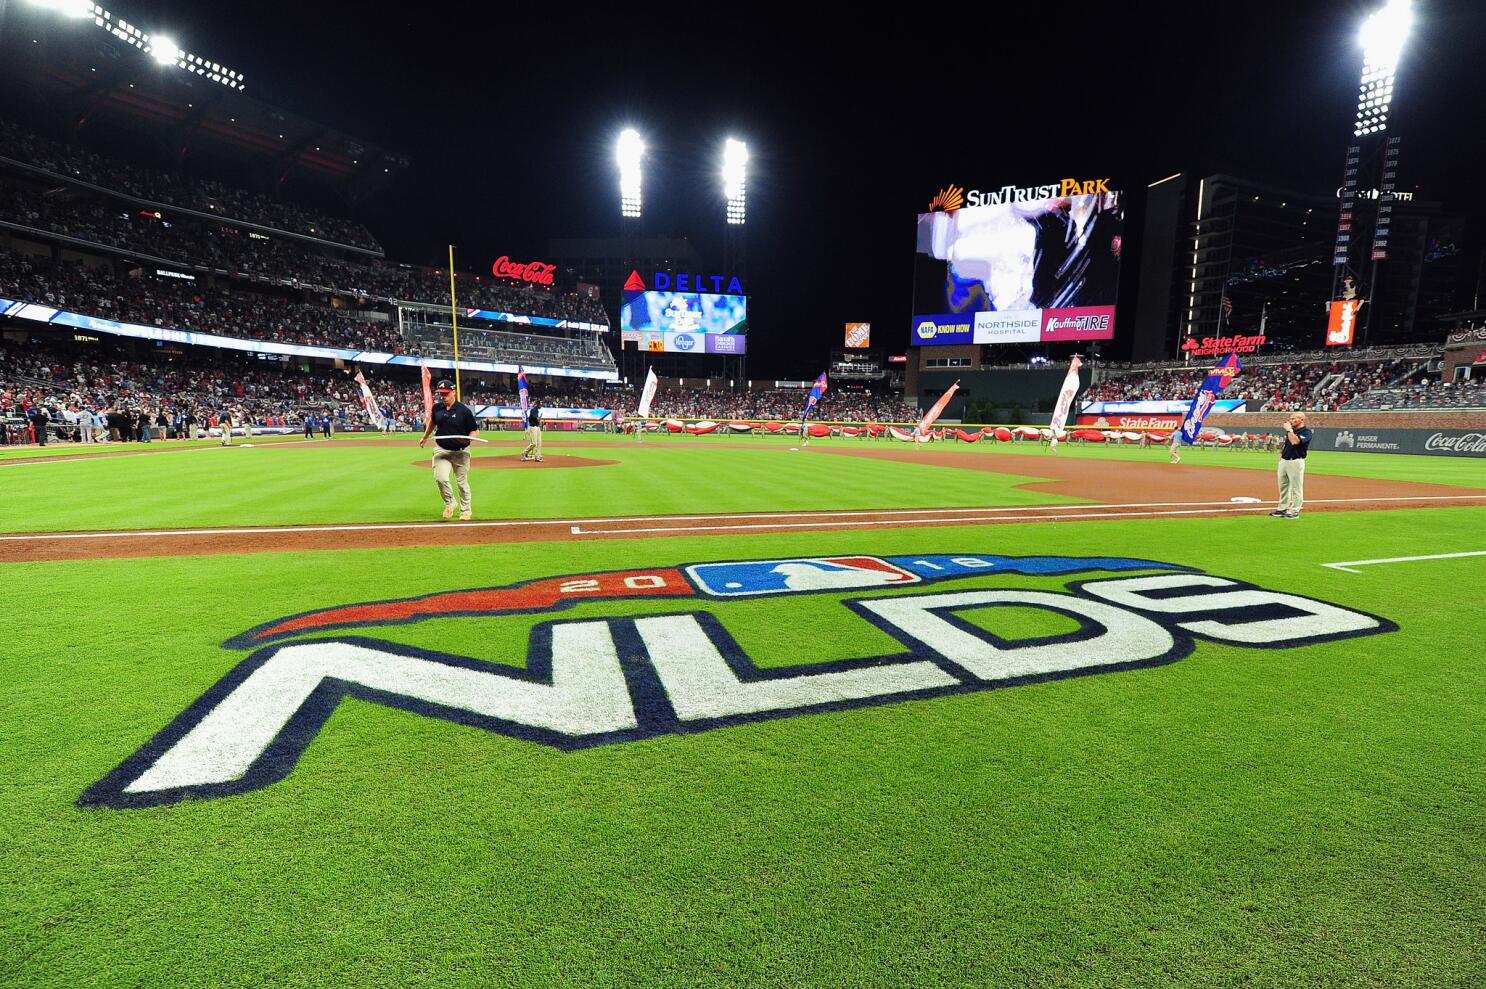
<point>364,483</point>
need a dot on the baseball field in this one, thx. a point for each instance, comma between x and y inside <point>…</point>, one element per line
<point>706,711</point>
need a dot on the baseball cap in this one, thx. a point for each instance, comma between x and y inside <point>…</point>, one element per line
<point>444,385</point>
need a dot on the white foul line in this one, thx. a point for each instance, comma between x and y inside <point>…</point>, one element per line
<point>1347,565</point>
<point>577,531</point>
<point>574,525</point>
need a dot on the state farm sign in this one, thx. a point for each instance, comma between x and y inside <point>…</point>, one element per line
<point>532,271</point>
<point>1210,346</point>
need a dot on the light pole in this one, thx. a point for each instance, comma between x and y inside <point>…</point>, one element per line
<point>1382,37</point>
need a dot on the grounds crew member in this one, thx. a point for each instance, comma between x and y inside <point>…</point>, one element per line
<point>450,423</point>
<point>1292,467</point>
<point>533,449</point>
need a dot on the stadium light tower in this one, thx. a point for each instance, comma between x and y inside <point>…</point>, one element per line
<point>1383,36</point>
<point>630,151</point>
<point>68,8</point>
<point>735,180</point>
<point>164,50</point>
<point>1371,158</point>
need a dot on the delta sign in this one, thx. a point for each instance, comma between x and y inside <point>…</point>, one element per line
<point>666,281</point>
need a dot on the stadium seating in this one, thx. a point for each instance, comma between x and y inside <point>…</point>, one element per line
<point>1423,395</point>
<point>73,164</point>
<point>253,313</point>
<point>112,224</point>
<point>1317,383</point>
<point>68,378</point>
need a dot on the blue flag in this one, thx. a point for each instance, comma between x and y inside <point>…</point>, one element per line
<point>818,390</point>
<point>1202,402</point>
<point>523,391</point>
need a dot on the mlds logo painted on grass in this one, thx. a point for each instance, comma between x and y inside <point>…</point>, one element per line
<point>603,680</point>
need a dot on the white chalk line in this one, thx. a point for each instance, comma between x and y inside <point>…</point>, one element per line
<point>943,515</point>
<point>1348,565</point>
<point>578,531</point>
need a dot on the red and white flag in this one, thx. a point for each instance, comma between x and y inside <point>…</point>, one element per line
<point>647,395</point>
<point>1065,400</point>
<point>368,402</point>
<point>427,396</point>
<point>932,416</point>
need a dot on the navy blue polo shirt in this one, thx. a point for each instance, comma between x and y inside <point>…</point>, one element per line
<point>1296,451</point>
<point>457,420</point>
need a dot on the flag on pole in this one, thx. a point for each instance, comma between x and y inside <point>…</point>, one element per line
<point>647,394</point>
<point>369,403</point>
<point>921,431</point>
<point>816,391</point>
<point>524,392</point>
<point>1065,400</point>
<point>1202,402</point>
<point>427,396</point>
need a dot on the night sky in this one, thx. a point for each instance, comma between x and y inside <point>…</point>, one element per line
<point>509,112</point>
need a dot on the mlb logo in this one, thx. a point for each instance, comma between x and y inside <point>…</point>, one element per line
<point>825,573</point>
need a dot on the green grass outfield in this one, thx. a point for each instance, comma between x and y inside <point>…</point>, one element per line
<point>284,482</point>
<point>1307,816</point>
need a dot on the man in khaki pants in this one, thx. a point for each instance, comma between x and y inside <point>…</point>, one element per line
<point>533,449</point>
<point>451,422</point>
<point>1292,467</point>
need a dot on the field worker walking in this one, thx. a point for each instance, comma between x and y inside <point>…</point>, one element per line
<point>533,449</point>
<point>450,425</point>
<point>225,421</point>
<point>1292,467</point>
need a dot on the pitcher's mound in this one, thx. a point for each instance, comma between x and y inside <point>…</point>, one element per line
<point>514,461</point>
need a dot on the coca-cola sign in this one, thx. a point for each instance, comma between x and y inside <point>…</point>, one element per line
<point>532,271</point>
<point>1459,443</point>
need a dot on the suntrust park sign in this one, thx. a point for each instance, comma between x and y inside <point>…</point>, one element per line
<point>954,197</point>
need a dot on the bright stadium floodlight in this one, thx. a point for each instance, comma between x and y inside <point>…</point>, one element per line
<point>164,50</point>
<point>1382,37</point>
<point>67,8</point>
<point>735,180</point>
<point>630,151</point>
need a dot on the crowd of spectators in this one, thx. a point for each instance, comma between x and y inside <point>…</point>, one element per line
<point>579,350</point>
<point>107,379</point>
<point>223,247</point>
<point>1424,395</point>
<point>163,302</point>
<point>204,195</point>
<point>68,386</point>
<point>781,404</point>
<point>1316,386</point>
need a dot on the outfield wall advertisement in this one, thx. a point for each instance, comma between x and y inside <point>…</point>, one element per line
<point>1018,266</point>
<point>1434,442</point>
